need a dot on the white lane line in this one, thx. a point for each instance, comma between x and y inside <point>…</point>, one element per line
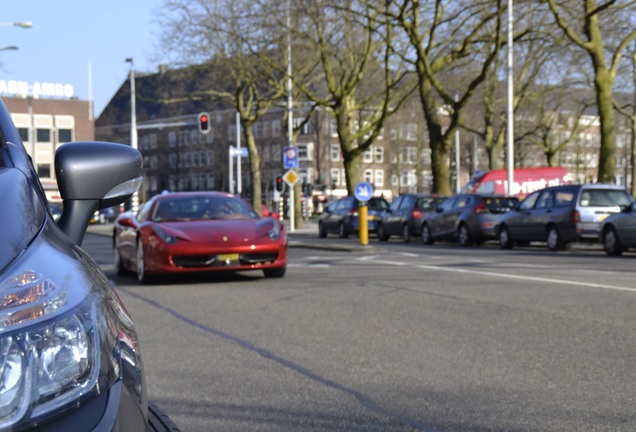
<point>509,276</point>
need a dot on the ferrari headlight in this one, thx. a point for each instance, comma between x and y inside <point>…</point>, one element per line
<point>274,233</point>
<point>52,332</point>
<point>163,235</point>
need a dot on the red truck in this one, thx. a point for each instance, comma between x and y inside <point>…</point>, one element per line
<point>525,181</point>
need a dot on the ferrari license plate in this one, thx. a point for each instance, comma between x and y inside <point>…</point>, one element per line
<point>228,257</point>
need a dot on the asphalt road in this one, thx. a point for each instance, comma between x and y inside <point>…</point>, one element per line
<point>394,337</point>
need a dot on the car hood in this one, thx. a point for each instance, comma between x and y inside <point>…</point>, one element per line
<point>220,230</point>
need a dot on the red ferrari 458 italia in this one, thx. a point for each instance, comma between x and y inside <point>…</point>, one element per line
<point>198,232</point>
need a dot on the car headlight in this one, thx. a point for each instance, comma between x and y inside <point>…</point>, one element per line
<point>274,232</point>
<point>163,235</point>
<point>52,336</point>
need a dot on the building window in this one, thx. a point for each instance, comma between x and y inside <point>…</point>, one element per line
<point>210,158</point>
<point>172,160</point>
<point>306,128</point>
<point>210,181</point>
<point>333,128</point>
<point>335,176</point>
<point>411,132</point>
<point>276,128</point>
<point>367,156</point>
<point>43,135</point>
<point>394,180</point>
<point>378,178</point>
<point>266,129</point>
<point>44,170</point>
<point>368,175</point>
<point>426,156</point>
<point>335,152</point>
<point>408,178</point>
<point>408,155</point>
<point>64,136</point>
<point>378,153</point>
<point>172,139</point>
<point>24,134</point>
<point>306,151</point>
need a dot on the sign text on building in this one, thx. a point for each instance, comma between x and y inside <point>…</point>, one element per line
<point>36,89</point>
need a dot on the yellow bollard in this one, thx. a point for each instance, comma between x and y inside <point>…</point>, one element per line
<point>364,227</point>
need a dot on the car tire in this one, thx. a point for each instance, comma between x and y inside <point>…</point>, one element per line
<point>142,276</point>
<point>382,235</point>
<point>463,235</point>
<point>554,240</point>
<point>275,273</point>
<point>321,231</point>
<point>426,235</point>
<point>342,231</point>
<point>158,421</point>
<point>611,242</point>
<point>406,233</point>
<point>505,241</point>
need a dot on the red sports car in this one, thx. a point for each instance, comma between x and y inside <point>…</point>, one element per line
<point>198,232</point>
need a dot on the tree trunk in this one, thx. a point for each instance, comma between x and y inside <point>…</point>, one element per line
<point>255,164</point>
<point>603,83</point>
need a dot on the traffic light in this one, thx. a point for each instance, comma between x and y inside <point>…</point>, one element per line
<point>279,183</point>
<point>204,122</point>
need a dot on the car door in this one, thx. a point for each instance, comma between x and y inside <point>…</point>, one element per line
<point>518,220</point>
<point>540,216</point>
<point>628,227</point>
<point>438,218</point>
<point>450,217</point>
<point>329,217</point>
<point>392,216</point>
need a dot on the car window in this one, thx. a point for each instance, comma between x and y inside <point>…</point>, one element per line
<point>486,188</point>
<point>407,202</point>
<point>563,198</point>
<point>500,204</point>
<point>546,200</point>
<point>203,207</point>
<point>463,201</point>
<point>448,204</point>
<point>142,214</point>
<point>530,201</point>
<point>604,198</point>
<point>377,204</point>
<point>428,203</point>
<point>395,204</point>
<point>342,204</point>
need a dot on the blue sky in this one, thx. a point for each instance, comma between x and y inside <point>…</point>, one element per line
<point>67,35</point>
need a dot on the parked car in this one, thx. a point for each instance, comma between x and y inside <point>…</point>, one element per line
<point>562,214</point>
<point>104,216</point>
<point>618,231</point>
<point>466,218</point>
<point>405,215</point>
<point>69,357</point>
<point>342,216</point>
<point>186,232</point>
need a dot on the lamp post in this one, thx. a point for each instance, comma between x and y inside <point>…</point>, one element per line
<point>511,118</point>
<point>133,123</point>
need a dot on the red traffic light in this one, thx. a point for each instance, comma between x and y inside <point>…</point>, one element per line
<point>279,183</point>
<point>204,122</point>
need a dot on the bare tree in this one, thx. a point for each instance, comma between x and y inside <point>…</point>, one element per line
<point>600,30</point>
<point>446,37</point>
<point>359,78</point>
<point>245,55</point>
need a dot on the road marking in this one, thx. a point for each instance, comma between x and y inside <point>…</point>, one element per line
<point>509,276</point>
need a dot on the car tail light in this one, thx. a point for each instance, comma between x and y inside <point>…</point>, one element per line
<point>481,208</point>
<point>353,212</point>
<point>416,214</point>
<point>575,216</point>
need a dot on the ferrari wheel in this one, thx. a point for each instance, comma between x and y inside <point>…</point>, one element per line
<point>275,273</point>
<point>142,276</point>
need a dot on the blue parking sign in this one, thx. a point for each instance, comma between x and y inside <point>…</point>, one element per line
<point>363,191</point>
<point>290,157</point>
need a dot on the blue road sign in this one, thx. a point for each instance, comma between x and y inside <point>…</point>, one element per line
<point>363,191</point>
<point>290,157</point>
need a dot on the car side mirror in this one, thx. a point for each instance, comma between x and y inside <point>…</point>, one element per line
<point>439,210</point>
<point>126,221</point>
<point>93,175</point>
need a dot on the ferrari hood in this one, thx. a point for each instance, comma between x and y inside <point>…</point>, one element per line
<point>216,230</point>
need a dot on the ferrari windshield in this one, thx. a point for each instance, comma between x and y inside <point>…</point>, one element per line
<point>201,208</point>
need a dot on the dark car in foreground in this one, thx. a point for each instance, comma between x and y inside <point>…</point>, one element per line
<point>342,216</point>
<point>405,215</point>
<point>466,218</point>
<point>187,232</point>
<point>69,353</point>
<point>618,232</point>
<point>559,215</point>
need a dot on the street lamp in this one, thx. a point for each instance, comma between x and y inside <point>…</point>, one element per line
<point>23,24</point>
<point>133,123</point>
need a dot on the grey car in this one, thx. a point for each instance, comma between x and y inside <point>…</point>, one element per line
<point>466,218</point>
<point>562,214</point>
<point>618,232</point>
<point>405,215</point>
